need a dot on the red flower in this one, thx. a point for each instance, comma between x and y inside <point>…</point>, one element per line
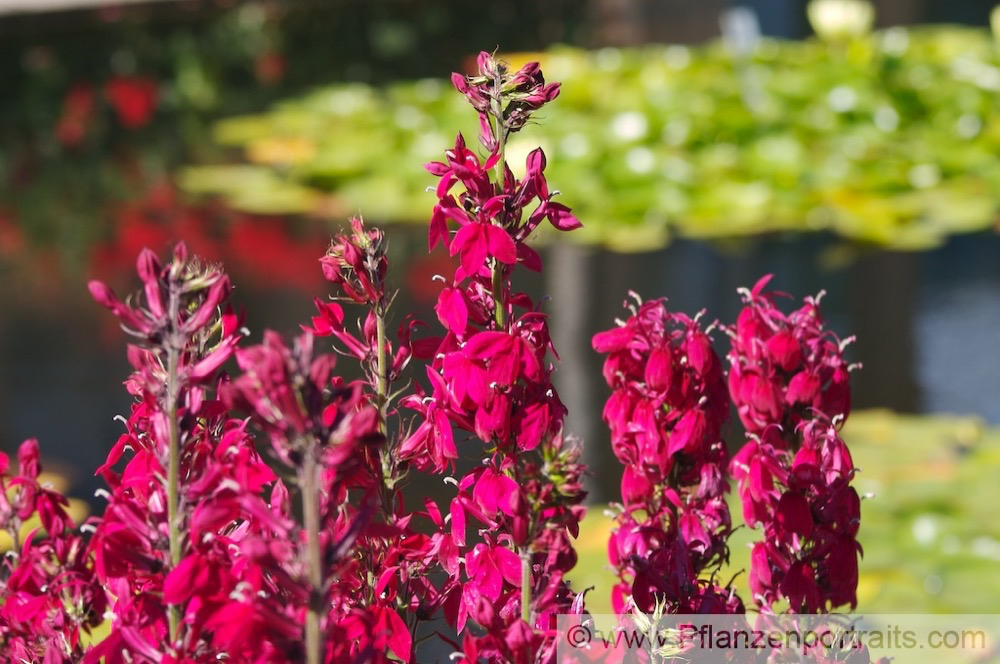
<point>269,67</point>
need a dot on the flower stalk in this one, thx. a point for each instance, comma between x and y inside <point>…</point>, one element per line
<point>491,377</point>
<point>790,382</point>
<point>389,480</point>
<point>321,430</point>
<point>182,339</point>
<point>357,264</point>
<point>173,474</point>
<point>666,413</point>
<point>314,557</point>
<point>526,586</point>
<point>499,307</point>
<point>381,368</point>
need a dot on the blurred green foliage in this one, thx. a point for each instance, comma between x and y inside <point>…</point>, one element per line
<point>891,139</point>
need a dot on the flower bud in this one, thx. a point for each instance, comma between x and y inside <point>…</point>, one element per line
<point>103,294</point>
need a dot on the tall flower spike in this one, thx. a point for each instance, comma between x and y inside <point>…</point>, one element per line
<point>189,489</point>
<point>394,553</point>
<point>667,407</point>
<point>490,378</point>
<point>789,380</point>
<point>320,429</point>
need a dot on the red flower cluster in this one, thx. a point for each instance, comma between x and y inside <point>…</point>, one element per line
<point>188,523</point>
<point>132,98</point>
<point>489,376</point>
<point>198,545</point>
<point>789,380</point>
<point>666,411</point>
<point>505,100</point>
<point>318,428</point>
<point>399,556</point>
<point>50,595</point>
<point>785,368</point>
<point>263,252</point>
<point>77,114</point>
<point>810,516</point>
<point>357,264</point>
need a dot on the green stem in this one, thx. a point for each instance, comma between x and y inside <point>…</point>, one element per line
<point>173,468</point>
<point>382,386</point>
<point>501,148</point>
<point>15,536</point>
<point>498,300</point>
<point>388,464</point>
<point>382,403</point>
<point>500,132</point>
<point>500,307</point>
<point>526,586</point>
<point>310,512</point>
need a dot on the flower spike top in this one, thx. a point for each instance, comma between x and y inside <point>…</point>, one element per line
<point>505,101</point>
<point>784,368</point>
<point>490,212</point>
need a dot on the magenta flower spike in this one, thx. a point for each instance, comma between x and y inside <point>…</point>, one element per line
<point>320,429</point>
<point>666,411</point>
<point>188,493</point>
<point>789,381</point>
<point>489,379</point>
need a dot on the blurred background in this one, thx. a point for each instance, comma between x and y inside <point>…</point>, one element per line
<point>852,147</point>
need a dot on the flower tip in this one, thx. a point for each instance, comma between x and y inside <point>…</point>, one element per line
<point>28,457</point>
<point>460,82</point>
<point>486,63</point>
<point>180,252</point>
<point>761,284</point>
<point>147,265</point>
<point>102,294</point>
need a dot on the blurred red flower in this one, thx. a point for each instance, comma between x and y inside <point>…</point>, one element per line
<point>134,99</point>
<point>77,112</point>
<point>269,67</point>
